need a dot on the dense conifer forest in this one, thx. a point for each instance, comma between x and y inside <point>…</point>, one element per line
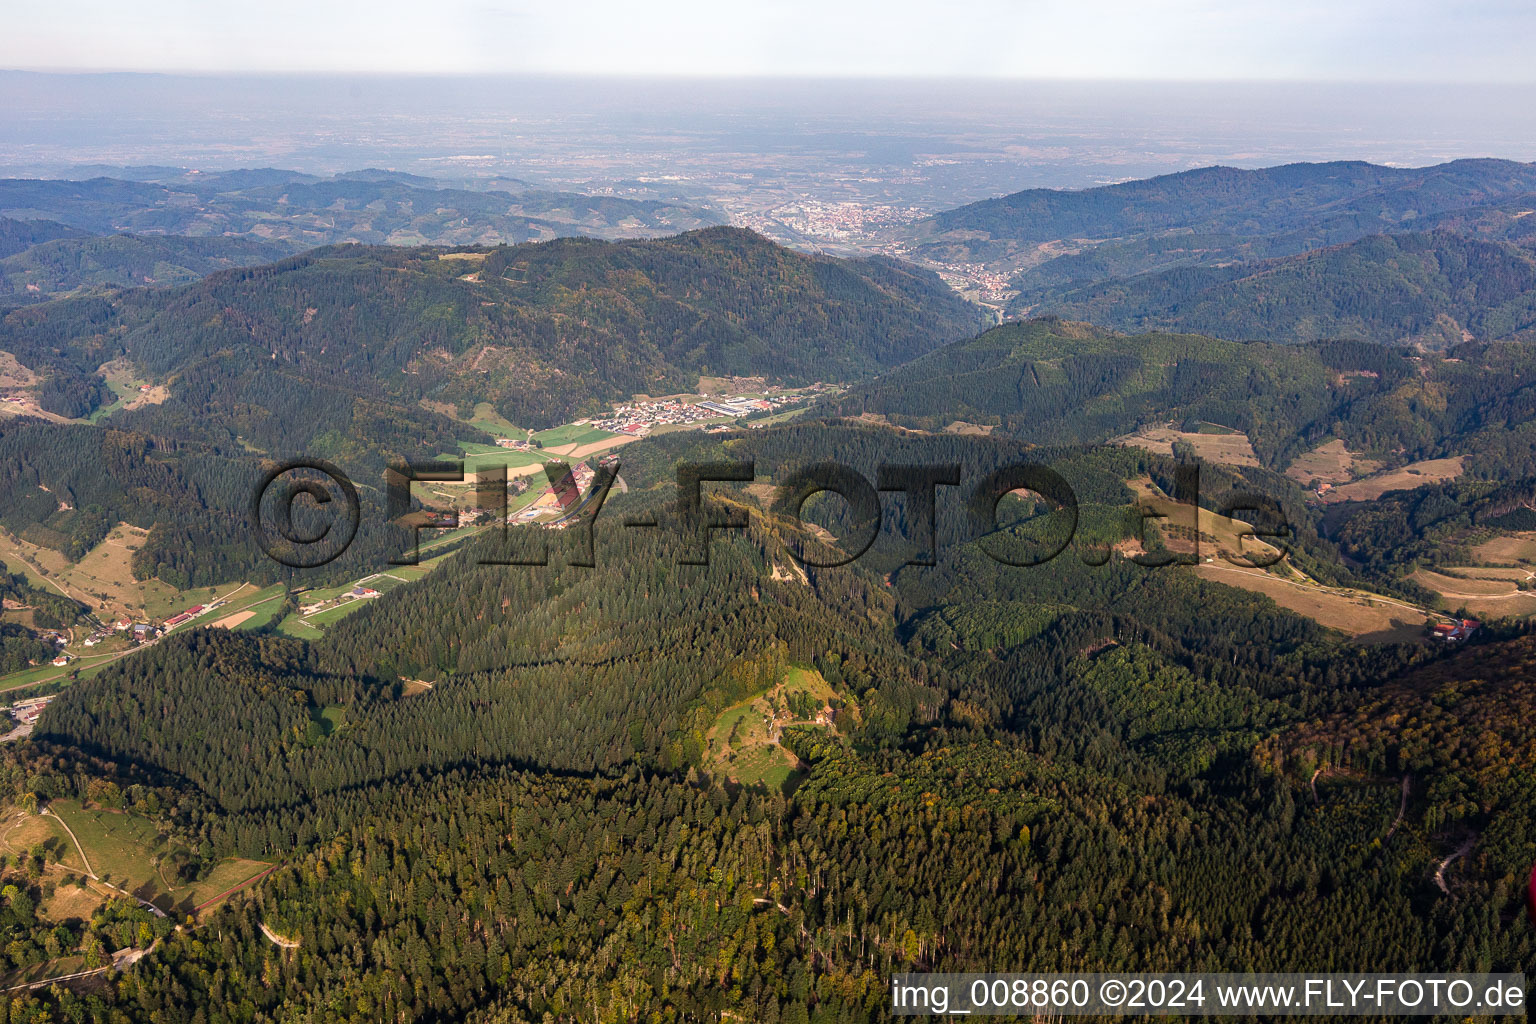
<point>1050,381</point>
<point>1070,766</point>
<point>634,787</point>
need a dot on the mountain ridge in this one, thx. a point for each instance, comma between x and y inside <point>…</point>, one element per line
<point>1248,213</point>
<point>1435,288</point>
<point>544,332</point>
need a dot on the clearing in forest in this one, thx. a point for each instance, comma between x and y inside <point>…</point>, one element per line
<point>743,743</point>
<point>1404,478</point>
<point>1330,463</point>
<point>1219,445</point>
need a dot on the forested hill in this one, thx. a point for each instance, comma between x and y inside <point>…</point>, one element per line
<point>305,211</point>
<point>1044,741</point>
<point>67,485</point>
<point>544,332</point>
<point>1433,288</point>
<point>125,261</point>
<point>19,235</point>
<point>1213,212</point>
<point>1052,381</point>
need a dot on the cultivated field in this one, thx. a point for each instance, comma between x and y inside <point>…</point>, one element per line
<point>103,578</point>
<point>1512,549</point>
<point>1491,593</point>
<point>311,626</point>
<point>492,422</point>
<point>1230,449</point>
<point>296,627</point>
<point>1415,474</point>
<point>1331,463</point>
<point>260,614</point>
<point>591,448</point>
<point>235,595</point>
<point>1485,573</point>
<point>1217,534</point>
<point>478,456</point>
<point>972,429</point>
<point>129,391</point>
<point>18,381</point>
<point>1465,586</point>
<point>1363,616</point>
<point>571,435</point>
<point>1358,613</point>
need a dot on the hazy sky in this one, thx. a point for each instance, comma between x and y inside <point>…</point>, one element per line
<point>1466,40</point>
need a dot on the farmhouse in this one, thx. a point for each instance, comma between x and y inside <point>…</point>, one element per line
<point>1454,631</point>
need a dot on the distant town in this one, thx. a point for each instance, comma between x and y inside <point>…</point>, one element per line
<point>842,222</point>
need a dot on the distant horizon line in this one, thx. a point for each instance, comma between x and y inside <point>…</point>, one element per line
<point>214,171</point>
<point>684,76</point>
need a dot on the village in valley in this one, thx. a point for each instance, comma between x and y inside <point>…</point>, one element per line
<point>640,417</point>
<point>549,476</point>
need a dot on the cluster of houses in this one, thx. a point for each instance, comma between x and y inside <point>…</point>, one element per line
<point>139,631</point>
<point>638,418</point>
<point>58,640</point>
<point>783,717</point>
